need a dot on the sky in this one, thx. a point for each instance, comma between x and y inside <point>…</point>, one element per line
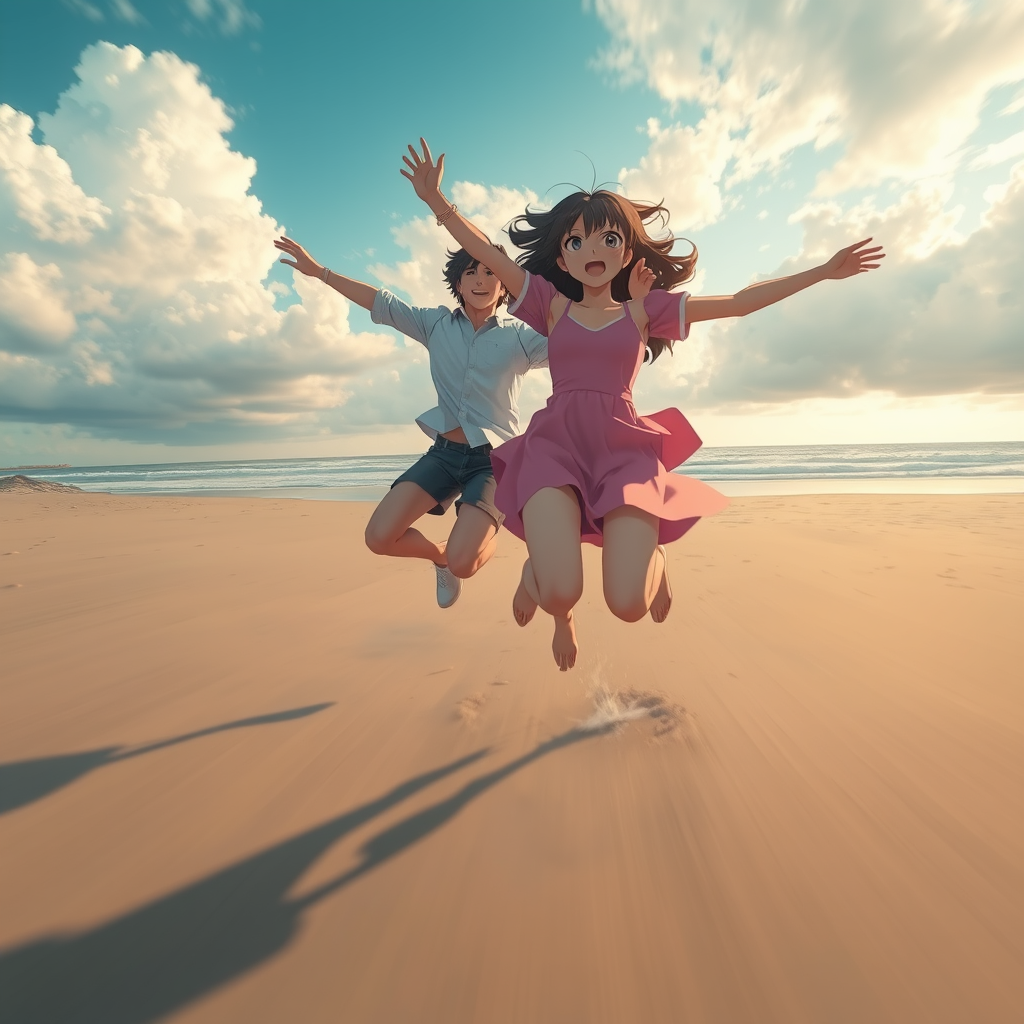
<point>151,151</point>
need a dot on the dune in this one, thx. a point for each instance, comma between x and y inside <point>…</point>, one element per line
<point>21,483</point>
<point>251,772</point>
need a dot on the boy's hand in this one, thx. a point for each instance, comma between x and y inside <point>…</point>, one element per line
<point>641,280</point>
<point>303,262</point>
<point>426,175</point>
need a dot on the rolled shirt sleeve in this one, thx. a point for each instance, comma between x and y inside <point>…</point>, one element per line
<point>414,322</point>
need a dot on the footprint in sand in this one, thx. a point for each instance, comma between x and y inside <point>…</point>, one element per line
<point>467,710</point>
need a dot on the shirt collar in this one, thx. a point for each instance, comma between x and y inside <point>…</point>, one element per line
<point>498,320</point>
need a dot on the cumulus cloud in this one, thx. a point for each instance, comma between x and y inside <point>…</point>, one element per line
<point>684,167</point>
<point>942,318</point>
<point>132,285</point>
<point>39,187</point>
<point>33,305</point>
<point>900,86</point>
<point>896,91</point>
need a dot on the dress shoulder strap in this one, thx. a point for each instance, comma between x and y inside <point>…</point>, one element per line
<point>565,310</point>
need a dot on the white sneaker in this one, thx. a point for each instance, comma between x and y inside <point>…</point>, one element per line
<point>449,586</point>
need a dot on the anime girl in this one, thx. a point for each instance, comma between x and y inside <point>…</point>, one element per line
<point>588,468</point>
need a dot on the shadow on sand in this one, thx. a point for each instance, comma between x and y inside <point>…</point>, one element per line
<point>166,954</point>
<point>24,782</point>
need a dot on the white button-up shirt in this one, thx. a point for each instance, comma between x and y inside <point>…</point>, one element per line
<point>478,374</point>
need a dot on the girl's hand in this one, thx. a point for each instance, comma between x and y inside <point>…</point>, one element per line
<point>641,280</point>
<point>426,175</point>
<point>854,259</point>
<point>303,262</point>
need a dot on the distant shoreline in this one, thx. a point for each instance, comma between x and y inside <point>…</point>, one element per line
<point>56,465</point>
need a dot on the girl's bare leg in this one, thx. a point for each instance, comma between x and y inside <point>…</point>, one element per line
<point>390,532</point>
<point>633,565</point>
<point>551,522</point>
<point>473,540</point>
<point>563,643</point>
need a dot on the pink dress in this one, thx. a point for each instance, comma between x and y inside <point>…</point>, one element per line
<point>589,436</point>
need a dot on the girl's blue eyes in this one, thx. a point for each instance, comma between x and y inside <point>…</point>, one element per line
<point>611,240</point>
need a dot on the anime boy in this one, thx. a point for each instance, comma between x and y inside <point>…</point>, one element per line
<point>477,362</point>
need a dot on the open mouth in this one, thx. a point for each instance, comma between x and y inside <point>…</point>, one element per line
<point>595,269</point>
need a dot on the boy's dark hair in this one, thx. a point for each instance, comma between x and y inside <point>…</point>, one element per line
<point>458,263</point>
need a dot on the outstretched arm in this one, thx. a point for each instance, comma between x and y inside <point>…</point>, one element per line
<point>356,291</point>
<point>426,176</point>
<point>854,259</point>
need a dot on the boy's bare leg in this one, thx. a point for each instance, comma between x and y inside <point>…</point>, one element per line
<point>662,603</point>
<point>472,542</point>
<point>526,599</point>
<point>390,531</point>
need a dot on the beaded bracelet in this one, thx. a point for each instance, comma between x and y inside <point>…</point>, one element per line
<point>443,218</point>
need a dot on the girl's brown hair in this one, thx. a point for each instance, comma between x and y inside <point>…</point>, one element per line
<point>540,235</point>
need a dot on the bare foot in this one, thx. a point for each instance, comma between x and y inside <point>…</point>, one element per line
<point>523,604</point>
<point>663,598</point>
<point>563,646</point>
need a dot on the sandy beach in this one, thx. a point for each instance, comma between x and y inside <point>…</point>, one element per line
<point>251,773</point>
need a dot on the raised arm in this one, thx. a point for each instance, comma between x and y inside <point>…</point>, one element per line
<point>426,176</point>
<point>356,291</point>
<point>854,259</point>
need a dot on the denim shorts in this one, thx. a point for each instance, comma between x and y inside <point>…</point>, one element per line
<point>450,469</point>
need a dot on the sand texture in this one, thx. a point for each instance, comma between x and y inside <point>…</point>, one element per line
<point>251,773</point>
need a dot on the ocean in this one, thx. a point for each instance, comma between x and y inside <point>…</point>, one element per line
<point>800,469</point>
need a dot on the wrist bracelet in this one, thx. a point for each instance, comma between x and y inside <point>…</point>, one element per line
<point>323,276</point>
<point>442,219</point>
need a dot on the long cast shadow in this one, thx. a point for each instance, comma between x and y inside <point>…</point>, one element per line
<point>24,782</point>
<point>148,963</point>
<point>399,837</point>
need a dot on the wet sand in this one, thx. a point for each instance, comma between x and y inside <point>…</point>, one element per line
<point>251,773</point>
